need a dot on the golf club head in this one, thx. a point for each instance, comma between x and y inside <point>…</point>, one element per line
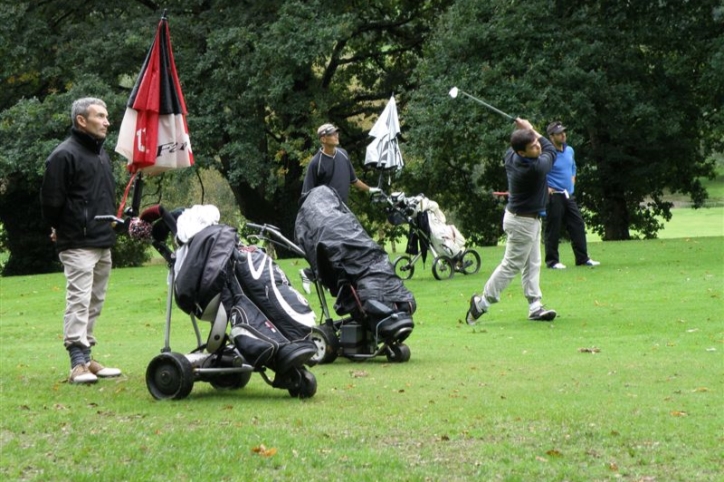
<point>454,92</point>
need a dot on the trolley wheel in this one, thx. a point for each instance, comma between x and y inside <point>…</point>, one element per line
<point>404,268</point>
<point>398,353</point>
<point>169,376</point>
<point>232,381</point>
<point>306,387</point>
<point>470,262</point>
<point>327,344</point>
<point>443,268</point>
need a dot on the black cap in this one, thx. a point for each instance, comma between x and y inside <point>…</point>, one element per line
<point>555,128</point>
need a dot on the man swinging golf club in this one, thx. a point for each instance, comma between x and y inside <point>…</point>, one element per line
<point>527,162</point>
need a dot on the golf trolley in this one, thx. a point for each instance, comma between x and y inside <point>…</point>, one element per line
<point>371,329</point>
<point>447,257</point>
<point>218,361</point>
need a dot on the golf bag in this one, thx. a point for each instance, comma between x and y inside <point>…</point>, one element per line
<point>445,238</point>
<point>428,231</point>
<point>271,322</point>
<point>353,267</point>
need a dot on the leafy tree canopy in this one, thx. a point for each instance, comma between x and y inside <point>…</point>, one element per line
<point>638,84</point>
<point>258,77</point>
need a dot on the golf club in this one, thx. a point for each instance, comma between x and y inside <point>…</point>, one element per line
<point>455,91</point>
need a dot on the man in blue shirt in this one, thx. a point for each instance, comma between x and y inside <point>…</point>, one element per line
<point>562,208</point>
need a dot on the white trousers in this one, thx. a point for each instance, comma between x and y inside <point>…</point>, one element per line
<point>87,271</point>
<point>522,255</point>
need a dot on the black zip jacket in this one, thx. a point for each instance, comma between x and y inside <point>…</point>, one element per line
<point>78,184</point>
<point>527,186</point>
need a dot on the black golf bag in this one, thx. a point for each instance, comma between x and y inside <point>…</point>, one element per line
<point>214,278</point>
<point>354,269</point>
<point>271,323</point>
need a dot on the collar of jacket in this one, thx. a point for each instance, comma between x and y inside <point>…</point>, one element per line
<point>93,144</point>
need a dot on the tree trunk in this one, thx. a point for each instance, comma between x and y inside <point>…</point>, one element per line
<point>615,218</point>
<point>26,234</point>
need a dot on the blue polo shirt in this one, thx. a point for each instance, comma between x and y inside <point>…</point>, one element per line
<point>560,177</point>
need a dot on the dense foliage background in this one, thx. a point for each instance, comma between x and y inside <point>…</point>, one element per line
<point>639,84</point>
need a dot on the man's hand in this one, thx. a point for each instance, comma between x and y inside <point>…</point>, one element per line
<point>523,124</point>
<point>374,190</point>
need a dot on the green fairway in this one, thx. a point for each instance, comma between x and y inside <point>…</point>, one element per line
<point>687,223</point>
<point>626,384</point>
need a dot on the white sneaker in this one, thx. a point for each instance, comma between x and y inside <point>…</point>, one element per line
<point>558,266</point>
<point>81,375</point>
<point>591,262</point>
<point>478,307</point>
<point>103,372</point>
<point>541,314</point>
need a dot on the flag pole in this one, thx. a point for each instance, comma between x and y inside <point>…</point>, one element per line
<point>137,192</point>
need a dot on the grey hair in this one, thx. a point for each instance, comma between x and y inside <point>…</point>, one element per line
<point>80,107</point>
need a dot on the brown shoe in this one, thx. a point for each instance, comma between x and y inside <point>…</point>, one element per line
<point>81,375</point>
<point>102,372</point>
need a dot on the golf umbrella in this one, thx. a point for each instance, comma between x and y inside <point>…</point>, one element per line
<point>383,152</point>
<point>154,136</point>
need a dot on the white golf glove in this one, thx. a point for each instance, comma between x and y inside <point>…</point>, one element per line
<point>374,190</point>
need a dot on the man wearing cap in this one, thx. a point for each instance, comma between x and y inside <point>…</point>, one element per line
<point>561,208</point>
<point>331,166</point>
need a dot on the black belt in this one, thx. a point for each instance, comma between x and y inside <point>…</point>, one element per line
<point>525,215</point>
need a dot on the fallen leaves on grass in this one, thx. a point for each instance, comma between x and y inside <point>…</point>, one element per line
<point>593,349</point>
<point>554,453</point>
<point>263,451</point>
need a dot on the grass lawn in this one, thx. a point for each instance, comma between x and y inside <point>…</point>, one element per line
<point>626,384</point>
<point>687,222</point>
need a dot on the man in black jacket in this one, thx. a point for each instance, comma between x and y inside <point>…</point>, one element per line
<point>527,162</point>
<point>78,185</point>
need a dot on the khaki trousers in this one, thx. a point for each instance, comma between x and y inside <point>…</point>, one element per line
<point>522,255</point>
<point>87,271</point>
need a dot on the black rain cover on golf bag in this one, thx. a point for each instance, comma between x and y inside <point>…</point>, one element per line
<point>268,287</point>
<point>202,274</point>
<point>340,251</point>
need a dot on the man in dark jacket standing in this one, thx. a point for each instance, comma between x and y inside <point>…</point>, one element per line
<point>527,162</point>
<point>331,167</point>
<point>78,185</point>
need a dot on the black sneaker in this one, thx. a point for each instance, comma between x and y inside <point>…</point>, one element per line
<point>474,312</point>
<point>541,314</point>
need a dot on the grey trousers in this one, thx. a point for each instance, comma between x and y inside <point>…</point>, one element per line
<point>522,255</point>
<point>86,272</point>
